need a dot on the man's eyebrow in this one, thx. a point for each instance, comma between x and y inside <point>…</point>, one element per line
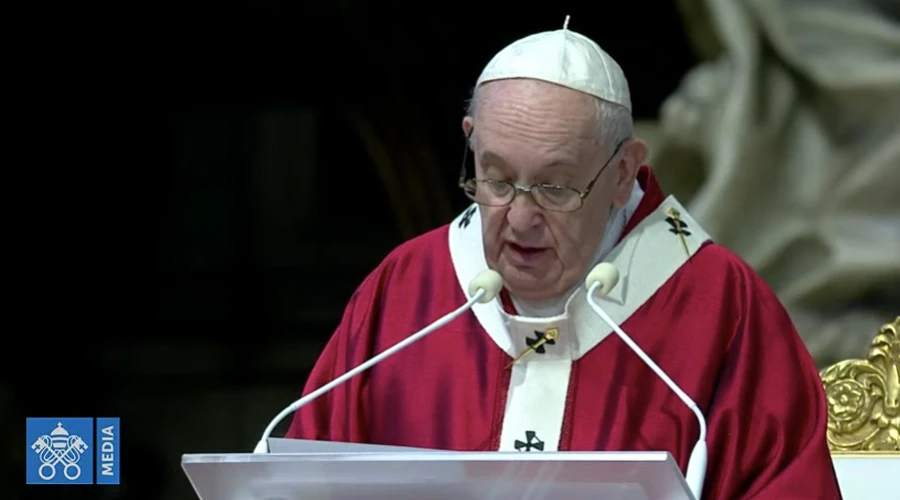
<point>492,158</point>
<point>488,156</point>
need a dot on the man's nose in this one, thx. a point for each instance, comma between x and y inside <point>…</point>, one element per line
<point>524,214</point>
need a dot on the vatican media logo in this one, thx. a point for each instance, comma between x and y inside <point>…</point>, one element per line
<point>69,450</point>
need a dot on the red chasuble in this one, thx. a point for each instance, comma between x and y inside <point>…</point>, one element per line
<point>697,309</point>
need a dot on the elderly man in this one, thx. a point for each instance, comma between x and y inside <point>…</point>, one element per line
<point>558,186</point>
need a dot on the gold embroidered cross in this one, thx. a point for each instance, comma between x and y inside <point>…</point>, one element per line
<point>537,345</point>
<point>679,227</point>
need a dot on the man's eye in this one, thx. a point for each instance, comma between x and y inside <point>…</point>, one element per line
<point>497,185</point>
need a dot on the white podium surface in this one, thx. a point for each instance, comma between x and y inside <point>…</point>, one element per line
<point>868,476</point>
<point>409,473</point>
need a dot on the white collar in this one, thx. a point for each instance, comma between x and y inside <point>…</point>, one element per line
<point>646,258</point>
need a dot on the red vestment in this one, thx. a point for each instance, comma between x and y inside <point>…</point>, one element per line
<point>711,324</point>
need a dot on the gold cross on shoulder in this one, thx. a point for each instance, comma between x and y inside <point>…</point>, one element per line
<point>679,227</point>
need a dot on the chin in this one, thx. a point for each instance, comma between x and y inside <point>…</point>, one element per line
<point>529,284</point>
<point>534,292</point>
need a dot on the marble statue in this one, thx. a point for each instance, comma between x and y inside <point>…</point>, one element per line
<point>785,141</point>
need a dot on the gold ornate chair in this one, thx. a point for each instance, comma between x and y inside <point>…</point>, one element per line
<point>864,417</point>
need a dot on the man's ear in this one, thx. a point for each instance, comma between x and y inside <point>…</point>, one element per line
<point>467,125</point>
<point>634,152</point>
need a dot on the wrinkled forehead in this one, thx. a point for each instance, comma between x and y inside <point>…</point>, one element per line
<point>533,118</point>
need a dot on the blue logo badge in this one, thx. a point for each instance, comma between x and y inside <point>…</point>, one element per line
<point>63,451</point>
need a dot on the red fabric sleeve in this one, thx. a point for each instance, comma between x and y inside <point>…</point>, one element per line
<point>340,414</point>
<point>767,422</point>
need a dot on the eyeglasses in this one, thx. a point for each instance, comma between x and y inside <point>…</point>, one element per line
<point>553,197</point>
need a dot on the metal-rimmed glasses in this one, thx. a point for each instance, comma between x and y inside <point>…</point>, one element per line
<point>553,197</point>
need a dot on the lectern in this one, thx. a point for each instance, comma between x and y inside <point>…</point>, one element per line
<point>311,470</point>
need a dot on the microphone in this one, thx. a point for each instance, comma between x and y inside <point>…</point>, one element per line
<point>482,289</point>
<point>604,277</point>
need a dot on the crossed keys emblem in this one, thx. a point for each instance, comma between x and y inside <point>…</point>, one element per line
<point>59,447</point>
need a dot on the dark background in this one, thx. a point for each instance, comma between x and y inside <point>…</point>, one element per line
<point>206,186</point>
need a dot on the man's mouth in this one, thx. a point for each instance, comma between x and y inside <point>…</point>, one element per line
<point>525,248</point>
<point>524,254</point>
